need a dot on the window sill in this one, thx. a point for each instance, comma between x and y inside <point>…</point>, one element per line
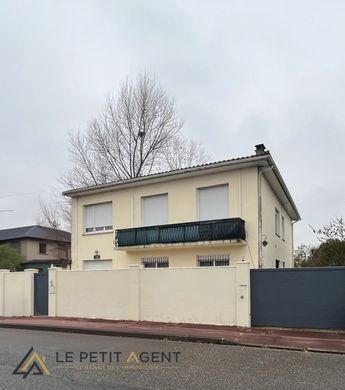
<point>96,233</point>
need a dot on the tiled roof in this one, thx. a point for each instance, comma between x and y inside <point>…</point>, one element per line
<point>35,231</point>
<point>170,172</point>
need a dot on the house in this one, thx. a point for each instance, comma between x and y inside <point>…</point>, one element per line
<point>41,246</point>
<point>214,214</point>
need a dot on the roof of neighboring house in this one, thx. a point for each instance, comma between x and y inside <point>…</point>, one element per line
<point>262,158</point>
<point>35,232</point>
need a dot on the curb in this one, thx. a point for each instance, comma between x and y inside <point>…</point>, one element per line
<point>165,336</point>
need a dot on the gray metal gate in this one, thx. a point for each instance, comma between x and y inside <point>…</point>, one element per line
<point>41,294</point>
<point>298,297</point>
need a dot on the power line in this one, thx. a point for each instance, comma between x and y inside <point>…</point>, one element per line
<point>21,194</point>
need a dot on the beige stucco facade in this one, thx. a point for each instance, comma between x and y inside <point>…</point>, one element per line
<point>278,247</point>
<point>54,250</point>
<point>243,199</point>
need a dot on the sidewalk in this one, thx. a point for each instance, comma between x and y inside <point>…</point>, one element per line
<point>301,340</point>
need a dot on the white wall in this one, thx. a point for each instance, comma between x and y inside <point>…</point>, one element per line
<point>17,293</point>
<point>210,295</point>
<point>91,294</point>
<point>191,295</point>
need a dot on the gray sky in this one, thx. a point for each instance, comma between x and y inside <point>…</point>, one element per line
<point>242,72</point>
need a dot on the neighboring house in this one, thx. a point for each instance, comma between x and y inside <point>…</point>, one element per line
<point>214,214</point>
<point>41,246</point>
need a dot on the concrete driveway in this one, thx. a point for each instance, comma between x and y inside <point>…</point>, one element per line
<point>77,361</point>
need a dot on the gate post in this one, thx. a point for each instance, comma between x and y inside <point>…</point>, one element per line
<point>2,291</point>
<point>52,290</point>
<point>29,291</point>
<point>243,294</point>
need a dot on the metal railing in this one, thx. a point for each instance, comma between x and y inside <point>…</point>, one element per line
<point>220,229</point>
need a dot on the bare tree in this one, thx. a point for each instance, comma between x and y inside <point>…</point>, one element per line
<point>129,139</point>
<point>48,215</point>
<point>55,212</point>
<point>138,133</point>
<point>183,153</point>
<point>335,230</point>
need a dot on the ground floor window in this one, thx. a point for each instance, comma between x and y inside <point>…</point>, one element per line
<point>213,261</point>
<point>155,262</point>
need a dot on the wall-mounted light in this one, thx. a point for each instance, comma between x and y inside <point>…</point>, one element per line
<point>264,242</point>
<point>96,256</point>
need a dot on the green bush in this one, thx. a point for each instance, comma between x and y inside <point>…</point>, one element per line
<point>9,258</point>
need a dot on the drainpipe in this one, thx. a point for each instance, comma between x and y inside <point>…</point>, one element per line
<point>292,241</point>
<point>261,259</point>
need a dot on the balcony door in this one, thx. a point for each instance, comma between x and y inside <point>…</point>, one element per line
<point>213,202</point>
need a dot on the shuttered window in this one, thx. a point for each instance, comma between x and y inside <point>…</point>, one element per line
<point>154,210</point>
<point>98,217</point>
<point>213,202</point>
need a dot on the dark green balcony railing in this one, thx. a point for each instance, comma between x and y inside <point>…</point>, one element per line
<point>220,229</point>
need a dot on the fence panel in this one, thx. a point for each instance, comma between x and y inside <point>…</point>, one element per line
<point>298,297</point>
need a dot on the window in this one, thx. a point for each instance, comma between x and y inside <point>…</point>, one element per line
<point>213,202</point>
<point>283,228</point>
<point>277,222</point>
<point>98,217</point>
<point>277,263</point>
<point>213,261</point>
<point>154,210</point>
<point>42,248</point>
<point>155,262</point>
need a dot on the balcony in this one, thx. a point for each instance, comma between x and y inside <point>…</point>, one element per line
<point>230,229</point>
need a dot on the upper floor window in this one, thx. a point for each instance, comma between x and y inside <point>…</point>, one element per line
<point>283,228</point>
<point>154,210</point>
<point>277,222</point>
<point>213,202</point>
<point>98,217</point>
<point>42,248</point>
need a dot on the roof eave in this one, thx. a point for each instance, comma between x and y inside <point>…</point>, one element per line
<point>296,215</point>
<point>139,181</point>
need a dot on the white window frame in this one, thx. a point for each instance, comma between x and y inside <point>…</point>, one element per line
<point>283,227</point>
<point>213,259</point>
<point>277,222</point>
<point>98,229</point>
<point>227,213</point>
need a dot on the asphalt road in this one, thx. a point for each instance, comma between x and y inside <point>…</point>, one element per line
<point>198,366</point>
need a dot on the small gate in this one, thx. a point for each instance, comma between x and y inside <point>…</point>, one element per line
<point>41,294</point>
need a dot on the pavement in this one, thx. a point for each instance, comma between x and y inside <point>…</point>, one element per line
<point>298,340</point>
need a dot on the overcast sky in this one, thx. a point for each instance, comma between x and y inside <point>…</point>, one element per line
<point>242,72</point>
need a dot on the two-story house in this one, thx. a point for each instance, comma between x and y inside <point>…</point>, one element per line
<point>40,246</point>
<point>214,214</point>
